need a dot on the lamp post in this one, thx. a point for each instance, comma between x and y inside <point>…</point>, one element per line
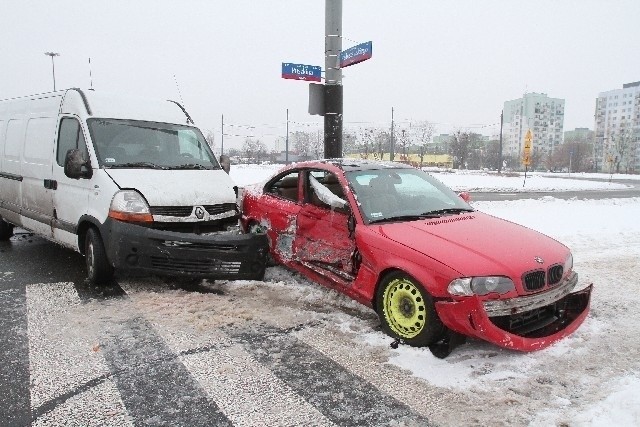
<point>53,66</point>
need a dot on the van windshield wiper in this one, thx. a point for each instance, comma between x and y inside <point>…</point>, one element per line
<point>147,165</point>
<point>440,212</point>
<point>191,166</point>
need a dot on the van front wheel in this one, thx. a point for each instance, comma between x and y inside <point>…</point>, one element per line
<point>99,271</point>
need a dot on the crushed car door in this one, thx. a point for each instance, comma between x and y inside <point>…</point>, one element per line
<point>280,206</point>
<point>323,242</point>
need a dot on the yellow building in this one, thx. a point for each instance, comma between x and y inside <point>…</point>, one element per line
<point>439,160</point>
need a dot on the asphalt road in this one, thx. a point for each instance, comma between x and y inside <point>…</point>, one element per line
<point>75,354</point>
<point>634,191</point>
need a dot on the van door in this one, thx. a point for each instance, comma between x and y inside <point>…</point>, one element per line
<point>71,197</point>
<point>36,187</point>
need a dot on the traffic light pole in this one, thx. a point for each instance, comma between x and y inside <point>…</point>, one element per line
<point>333,80</point>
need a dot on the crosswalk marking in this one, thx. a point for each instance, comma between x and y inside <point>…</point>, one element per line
<point>341,396</point>
<point>123,360</point>
<point>242,388</point>
<point>389,379</point>
<point>62,347</point>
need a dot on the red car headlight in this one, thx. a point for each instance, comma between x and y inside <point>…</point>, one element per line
<point>468,286</point>
<point>568,264</point>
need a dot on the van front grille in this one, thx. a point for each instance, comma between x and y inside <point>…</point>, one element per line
<point>184,211</point>
<point>199,266</point>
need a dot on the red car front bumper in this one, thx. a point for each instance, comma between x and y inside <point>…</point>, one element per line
<point>558,319</point>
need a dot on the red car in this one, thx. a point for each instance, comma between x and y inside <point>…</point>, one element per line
<point>435,270</point>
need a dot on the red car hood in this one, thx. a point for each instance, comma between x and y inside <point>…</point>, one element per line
<point>478,244</point>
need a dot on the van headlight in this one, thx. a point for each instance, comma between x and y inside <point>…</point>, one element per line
<point>129,206</point>
<point>468,286</point>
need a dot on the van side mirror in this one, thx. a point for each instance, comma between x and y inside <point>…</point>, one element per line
<point>76,166</point>
<point>225,162</point>
<point>465,196</point>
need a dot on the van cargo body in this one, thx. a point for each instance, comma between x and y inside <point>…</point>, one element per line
<point>129,183</point>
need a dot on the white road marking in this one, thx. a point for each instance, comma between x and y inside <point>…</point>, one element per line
<point>64,356</point>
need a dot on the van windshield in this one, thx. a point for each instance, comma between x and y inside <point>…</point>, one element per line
<point>140,144</point>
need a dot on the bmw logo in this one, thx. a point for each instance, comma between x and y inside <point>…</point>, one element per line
<point>539,260</point>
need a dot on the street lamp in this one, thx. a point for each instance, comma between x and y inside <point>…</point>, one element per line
<point>52,54</point>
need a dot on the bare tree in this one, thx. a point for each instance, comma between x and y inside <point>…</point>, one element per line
<point>302,143</point>
<point>424,132</point>
<point>621,145</point>
<point>460,148</point>
<point>365,144</point>
<point>254,150</point>
<point>210,137</point>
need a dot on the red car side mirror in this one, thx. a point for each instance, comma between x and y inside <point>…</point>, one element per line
<point>465,196</point>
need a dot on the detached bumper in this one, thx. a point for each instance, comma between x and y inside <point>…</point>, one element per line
<point>133,248</point>
<point>533,322</point>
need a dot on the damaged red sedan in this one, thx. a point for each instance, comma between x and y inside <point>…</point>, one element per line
<point>435,270</point>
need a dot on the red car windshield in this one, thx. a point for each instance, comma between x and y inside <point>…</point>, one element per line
<point>403,193</point>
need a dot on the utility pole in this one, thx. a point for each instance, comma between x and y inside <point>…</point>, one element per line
<point>333,79</point>
<point>391,145</point>
<point>500,149</point>
<point>286,145</point>
<point>53,66</point>
<point>222,137</point>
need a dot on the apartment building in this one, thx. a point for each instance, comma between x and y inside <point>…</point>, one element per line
<point>617,128</point>
<point>537,112</point>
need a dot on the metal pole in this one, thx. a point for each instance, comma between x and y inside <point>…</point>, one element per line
<point>500,151</point>
<point>391,145</point>
<point>53,67</point>
<point>286,145</point>
<point>333,80</point>
<point>222,137</point>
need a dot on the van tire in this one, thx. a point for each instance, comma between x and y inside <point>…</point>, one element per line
<point>6,230</point>
<point>99,271</point>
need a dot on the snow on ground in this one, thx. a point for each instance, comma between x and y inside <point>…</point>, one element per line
<point>477,181</point>
<point>591,378</point>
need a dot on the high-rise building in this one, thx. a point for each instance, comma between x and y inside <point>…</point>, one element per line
<point>579,134</point>
<point>537,112</point>
<point>617,127</point>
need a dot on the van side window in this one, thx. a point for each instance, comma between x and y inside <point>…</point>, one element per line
<point>70,137</point>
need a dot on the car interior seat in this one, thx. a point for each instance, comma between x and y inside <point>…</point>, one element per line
<point>381,200</point>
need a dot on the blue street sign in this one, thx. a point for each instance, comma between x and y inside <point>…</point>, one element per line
<point>356,54</point>
<point>310,73</point>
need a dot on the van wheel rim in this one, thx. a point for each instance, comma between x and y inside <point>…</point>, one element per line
<point>404,308</point>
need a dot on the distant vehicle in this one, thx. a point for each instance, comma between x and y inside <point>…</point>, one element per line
<point>395,239</point>
<point>129,183</point>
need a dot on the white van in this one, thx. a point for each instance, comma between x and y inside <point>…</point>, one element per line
<point>129,183</point>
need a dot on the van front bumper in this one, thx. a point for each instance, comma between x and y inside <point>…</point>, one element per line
<point>135,248</point>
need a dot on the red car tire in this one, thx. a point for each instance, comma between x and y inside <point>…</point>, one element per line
<point>407,311</point>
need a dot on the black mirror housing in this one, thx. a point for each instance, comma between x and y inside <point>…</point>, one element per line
<point>225,162</point>
<point>76,166</point>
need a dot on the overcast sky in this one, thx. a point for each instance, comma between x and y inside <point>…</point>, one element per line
<point>453,63</point>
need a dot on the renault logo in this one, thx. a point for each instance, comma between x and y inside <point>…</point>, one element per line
<point>539,260</point>
<point>199,211</point>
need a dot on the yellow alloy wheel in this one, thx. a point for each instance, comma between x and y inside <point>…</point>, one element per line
<point>404,308</point>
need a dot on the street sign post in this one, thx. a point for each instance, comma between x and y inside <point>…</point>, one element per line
<point>356,54</point>
<point>528,142</point>
<point>310,73</point>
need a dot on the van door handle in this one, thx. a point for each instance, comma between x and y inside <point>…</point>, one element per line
<point>51,184</point>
